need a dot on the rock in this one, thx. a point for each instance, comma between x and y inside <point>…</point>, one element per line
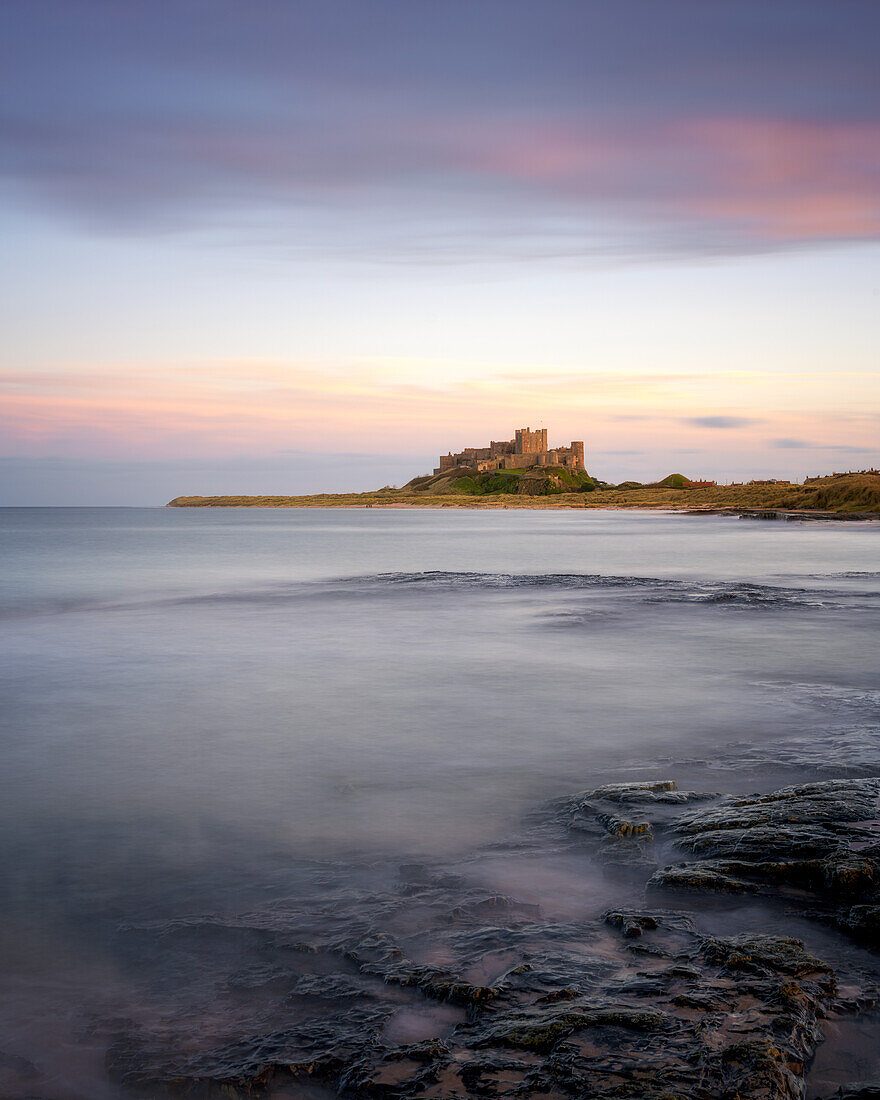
<point>699,877</point>
<point>623,792</point>
<point>752,877</point>
<point>21,1075</point>
<point>542,1030</point>
<point>767,955</point>
<point>624,842</point>
<point>574,1013</point>
<point>828,804</point>
<point>849,876</point>
<point>639,1005</point>
<point>419,1064</point>
<point>622,827</point>
<point>803,838</point>
<point>663,791</point>
<point>863,922</point>
<point>627,851</point>
<point>379,955</point>
<point>762,842</point>
<point>857,1091</point>
<point>631,922</point>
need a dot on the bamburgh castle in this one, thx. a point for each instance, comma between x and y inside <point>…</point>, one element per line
<point>526,449</point>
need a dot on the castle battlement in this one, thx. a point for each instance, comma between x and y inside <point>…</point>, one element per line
<point>526,449</point>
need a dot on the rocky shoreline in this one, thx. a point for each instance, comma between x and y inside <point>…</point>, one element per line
<point>640,1003</point>
<point>567,502</point>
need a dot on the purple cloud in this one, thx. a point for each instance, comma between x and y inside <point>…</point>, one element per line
<point>724,422</point>
<point>501,120</point>
<point>805,444</point>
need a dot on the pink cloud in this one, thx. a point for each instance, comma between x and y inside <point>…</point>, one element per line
<point>263,408</point>
<point>767,179</point>
<point>786,180</point>
<point>704,179</point>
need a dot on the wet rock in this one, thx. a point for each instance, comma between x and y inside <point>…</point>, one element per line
<point>416,876</point>
<point>498,906</point>
<point>631,922</point>
<point>700,877</point>
<point>416,1066</point>
<point>738,876</point>
<point>242,1068</point>
<point>20,1077</point>
<point>661,791</point>
<point>379,955</point>
<point>767,955</point>
<point>863,922</point>
<point>634,792</point>
<point>602,809</point>
<point>766,1068</point>
<point>541,1029</point>
<point>849,876</point>
<point>627,852</point>
<point>622,827</point>
<point>639,1005</point>
<point>762,842</point>
<point>816,839</point>
<point>829,804</point>
<point>625,841</point>
<point>857,1091</point>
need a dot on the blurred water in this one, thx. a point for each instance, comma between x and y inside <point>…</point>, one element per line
<point>196,705</point>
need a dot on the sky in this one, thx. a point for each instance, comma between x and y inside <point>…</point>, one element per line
<point>291,246</point>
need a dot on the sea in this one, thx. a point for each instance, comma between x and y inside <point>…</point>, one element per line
<point>206,713</point>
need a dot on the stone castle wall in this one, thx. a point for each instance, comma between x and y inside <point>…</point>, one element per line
<point>528,442</point>
<point>526,449</point>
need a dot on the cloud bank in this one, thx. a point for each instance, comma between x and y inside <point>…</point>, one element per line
<point>465,130</point>
<point>723,422</point>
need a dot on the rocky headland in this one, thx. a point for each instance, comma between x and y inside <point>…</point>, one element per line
<point>849,496</point>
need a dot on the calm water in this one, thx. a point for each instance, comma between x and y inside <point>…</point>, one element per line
<point>199,705</point>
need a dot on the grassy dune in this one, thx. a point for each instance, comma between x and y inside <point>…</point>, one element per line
<point>850,494</point>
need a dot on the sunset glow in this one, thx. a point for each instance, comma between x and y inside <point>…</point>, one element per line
<point>318,233</point>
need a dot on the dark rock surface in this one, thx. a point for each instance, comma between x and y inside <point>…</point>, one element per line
<point>858,1091</point>
<point>642,1006</point>
<point>819,840</point>
<point>430,987</point>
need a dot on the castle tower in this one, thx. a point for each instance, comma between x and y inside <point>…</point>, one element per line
<point>529,442</point>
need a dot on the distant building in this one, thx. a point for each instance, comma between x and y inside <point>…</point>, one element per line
<point>525,450</point>
<point>698,484</point>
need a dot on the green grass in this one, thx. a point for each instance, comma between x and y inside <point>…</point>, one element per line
<point>563,488</point>
<point>672,481</point>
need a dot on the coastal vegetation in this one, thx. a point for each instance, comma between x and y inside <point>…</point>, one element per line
<point>528,482</point>
<point>842,494</point>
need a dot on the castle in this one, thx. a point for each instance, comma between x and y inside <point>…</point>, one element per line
<point>526,449</point>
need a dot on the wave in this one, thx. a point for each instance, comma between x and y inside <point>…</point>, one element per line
<point>828,696</point>
<point>846,574</point>
<point>648,590</point>
<point>652,589</point>
<point>852,750</point>
<point>47,607</point>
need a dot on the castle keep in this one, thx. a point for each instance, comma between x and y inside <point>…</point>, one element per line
<point>526,449</point>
